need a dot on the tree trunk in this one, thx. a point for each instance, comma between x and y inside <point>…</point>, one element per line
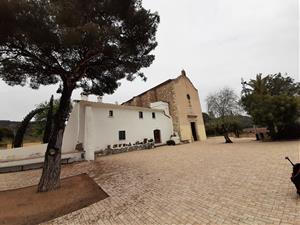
<point>225,133</point>
<point>227,139</point>
<point>272,130</point>
<point>18,139</point>
<point>237,133</point>
<point>50,179</point>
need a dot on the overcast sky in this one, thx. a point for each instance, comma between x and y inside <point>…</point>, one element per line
<point>216,41</point>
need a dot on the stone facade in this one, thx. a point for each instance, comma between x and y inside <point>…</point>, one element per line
<point>184,104</point>
<point>164,92</point>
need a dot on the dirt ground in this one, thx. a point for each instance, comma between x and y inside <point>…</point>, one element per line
<point>26,206</point>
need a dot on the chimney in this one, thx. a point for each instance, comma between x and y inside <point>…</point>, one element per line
<point>84,97</point>
<point>183,73</point>
<point>99,98</point>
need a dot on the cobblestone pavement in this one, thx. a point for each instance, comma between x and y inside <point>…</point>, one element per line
<point>200,183</point>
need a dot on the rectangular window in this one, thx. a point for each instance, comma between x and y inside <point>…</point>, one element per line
<point>141,116</point>
<point>122,135</point>
<point>111,113</point>
<point>153,115</point>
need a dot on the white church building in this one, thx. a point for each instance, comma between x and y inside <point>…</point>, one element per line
<point>168,111</point>
<point>96,126</point>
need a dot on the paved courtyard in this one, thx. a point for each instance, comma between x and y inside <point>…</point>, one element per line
<point>201,183</point>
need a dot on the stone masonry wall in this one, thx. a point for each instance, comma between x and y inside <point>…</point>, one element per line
<point>183,110</point>
<point>128,148</point>
<point>163,93</point>
<point>187,97</point>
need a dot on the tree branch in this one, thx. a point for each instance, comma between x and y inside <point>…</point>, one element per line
<point>23,52</point>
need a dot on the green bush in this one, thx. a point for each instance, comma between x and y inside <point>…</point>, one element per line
<point>273,101</point>
<point>6,133</point>
<point>171,142</point>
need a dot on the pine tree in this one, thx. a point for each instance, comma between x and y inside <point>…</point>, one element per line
<point>76,44</point>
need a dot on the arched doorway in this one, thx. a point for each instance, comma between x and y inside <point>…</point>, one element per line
<point>157,137</point>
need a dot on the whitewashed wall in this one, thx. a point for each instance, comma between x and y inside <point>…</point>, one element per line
<point>23,152</point>
<point>30,155</point>
<point>162,106</point>
<point>91,125</point>
<point>9,156</point>
<point>70,139</point>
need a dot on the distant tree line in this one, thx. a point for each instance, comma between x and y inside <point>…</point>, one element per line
<point>236,125</point>
<point>223,114</point>
<point>273,101</point>
<point>6,133</point>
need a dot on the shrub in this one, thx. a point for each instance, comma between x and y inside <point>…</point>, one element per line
<point>170,142</point>
<point>291,131</point>
<point>6,133</point>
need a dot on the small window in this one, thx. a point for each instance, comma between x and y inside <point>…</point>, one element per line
<point>122,135</point>
<point>141,116</point>
<point>153,115</point>
<point>111,113</point>
<point>189,99</point>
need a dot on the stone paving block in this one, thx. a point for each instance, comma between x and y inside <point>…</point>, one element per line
<point>200,183</point>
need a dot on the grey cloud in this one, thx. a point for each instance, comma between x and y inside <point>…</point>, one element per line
<point>217,42</point>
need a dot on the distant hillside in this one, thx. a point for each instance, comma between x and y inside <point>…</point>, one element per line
<point>9,124</point>
<point>31,135</point>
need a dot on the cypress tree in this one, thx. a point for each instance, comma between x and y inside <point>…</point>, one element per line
<point>48,127</point>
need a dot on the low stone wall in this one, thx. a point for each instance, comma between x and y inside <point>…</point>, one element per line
<point>23,152</point>
<point>31,157</point>
<point>127,148</point>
